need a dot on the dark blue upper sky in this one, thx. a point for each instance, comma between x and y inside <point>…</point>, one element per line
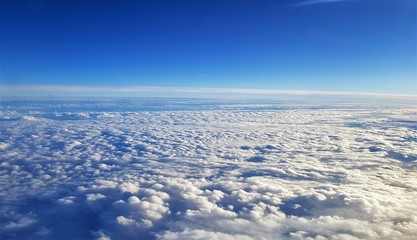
<point>356,45</point>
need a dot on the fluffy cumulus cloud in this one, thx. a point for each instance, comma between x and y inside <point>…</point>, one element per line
<point>87,170</point>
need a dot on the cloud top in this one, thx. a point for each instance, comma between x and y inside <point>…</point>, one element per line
<point>316,172</point>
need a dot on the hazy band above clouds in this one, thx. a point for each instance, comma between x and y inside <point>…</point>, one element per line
<point>154,91</point>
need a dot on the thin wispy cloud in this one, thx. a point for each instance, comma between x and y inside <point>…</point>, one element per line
<point>314,2</point>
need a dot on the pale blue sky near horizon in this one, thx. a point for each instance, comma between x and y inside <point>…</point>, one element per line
<point>345,45</point>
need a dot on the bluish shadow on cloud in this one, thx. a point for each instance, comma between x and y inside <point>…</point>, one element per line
<point>256,159</point>
<point>401,156</point>
<point>304,206</point>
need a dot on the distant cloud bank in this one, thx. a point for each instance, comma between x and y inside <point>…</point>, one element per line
<point>155,91</point>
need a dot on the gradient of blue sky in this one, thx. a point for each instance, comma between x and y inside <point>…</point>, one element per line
<point>357,45</point>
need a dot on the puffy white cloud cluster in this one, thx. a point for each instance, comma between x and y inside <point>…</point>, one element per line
<point>297,173</point>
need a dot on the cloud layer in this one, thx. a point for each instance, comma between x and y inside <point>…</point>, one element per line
<point>233,172</point>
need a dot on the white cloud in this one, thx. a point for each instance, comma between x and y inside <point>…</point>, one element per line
<point>198,234</point>
<point>3,146</point>
<point>298,172</point>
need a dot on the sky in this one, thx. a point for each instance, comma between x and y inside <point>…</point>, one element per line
<point>324,45</point>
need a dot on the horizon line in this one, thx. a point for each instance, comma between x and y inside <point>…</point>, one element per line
<point>136,89</point>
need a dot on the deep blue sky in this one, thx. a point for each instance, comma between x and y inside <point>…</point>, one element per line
<point>357,45</point>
